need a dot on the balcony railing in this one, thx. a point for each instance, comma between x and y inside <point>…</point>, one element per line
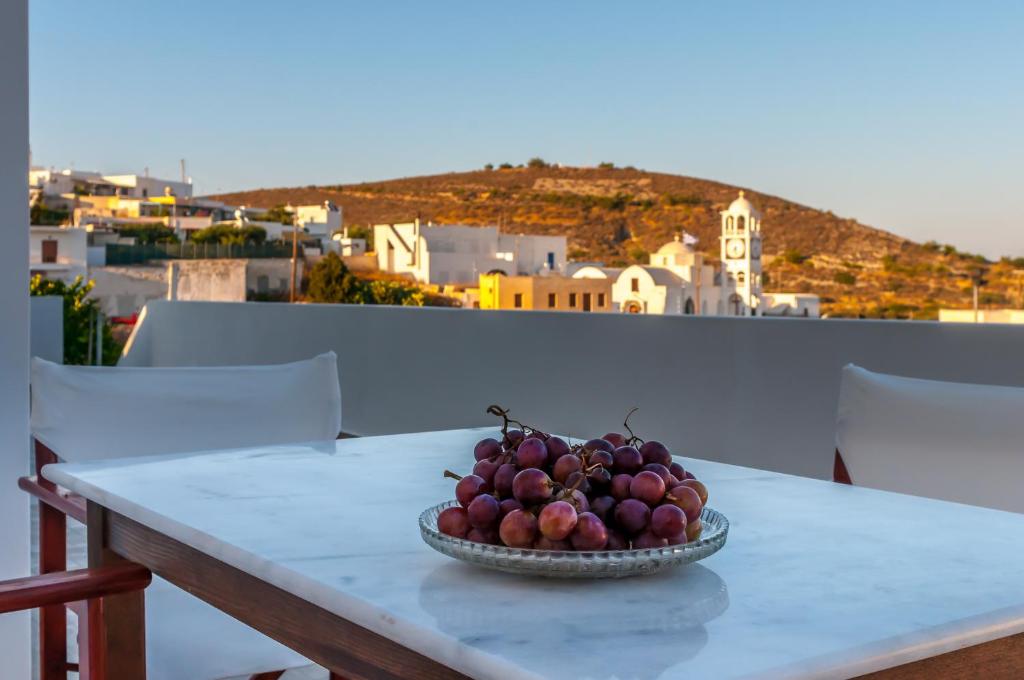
<point>118,254</point>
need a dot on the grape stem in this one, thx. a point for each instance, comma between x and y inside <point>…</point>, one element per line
<point>502,413</point>
<point>451,475</point>
<point>633,439</point>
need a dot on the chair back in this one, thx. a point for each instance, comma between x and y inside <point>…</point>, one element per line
<point>951,441</point>
<point>85,413</point>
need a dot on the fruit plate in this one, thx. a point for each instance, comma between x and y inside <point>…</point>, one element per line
<point>569,564</point>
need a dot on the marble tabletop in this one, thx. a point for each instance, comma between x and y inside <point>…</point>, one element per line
<point>817,579</point>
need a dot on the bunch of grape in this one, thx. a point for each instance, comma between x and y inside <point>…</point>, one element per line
<point>534,490</point>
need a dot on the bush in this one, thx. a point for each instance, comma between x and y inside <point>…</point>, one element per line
<point>844,278</point>
<point>80,315</point>
<point>277,214</point>
<point>227,233</point>
<point>638,255</point>
<point>505,166</point>
<point>794,257</point>
<point>145,234</point>
<point>605,165</point>
<point>330,281</point>
<point>489,166</point>
<point>41,215</point>
<point>682,199</point>
<point>537,162</point>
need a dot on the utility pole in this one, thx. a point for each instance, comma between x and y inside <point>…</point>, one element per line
<point>977,281</point>
<point>295,255</point>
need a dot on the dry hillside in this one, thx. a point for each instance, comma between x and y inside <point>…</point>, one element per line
<point>619,215</point>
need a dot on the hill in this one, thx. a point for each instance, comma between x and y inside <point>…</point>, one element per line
<point>620,215</point>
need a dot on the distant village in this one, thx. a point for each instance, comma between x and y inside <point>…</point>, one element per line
<point>140,238</point>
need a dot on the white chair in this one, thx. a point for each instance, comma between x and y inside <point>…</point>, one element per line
<point>952,441</point>
<point>88,413</point>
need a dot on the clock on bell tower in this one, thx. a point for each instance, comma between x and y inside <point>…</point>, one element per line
<point>741,252</point>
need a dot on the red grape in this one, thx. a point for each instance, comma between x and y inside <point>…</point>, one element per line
<point>503,479</point>
<point>689,475</point>
<point>661,471</point>
<point>693,530</point>
<point>615,439</point>
<point>507,506</point>
<point>531,486</point>
<point>599,479</point>
<point>518,529</point>
<point>513,437</point>
<point>687,500</point>
<point>545,543</point>
<point>576,498</point>
<point>648,540</point>
<point>565,466</point>
<point>677,470</point>
<point>485,469</point>
<point>620,487</point>
<point>483,511</point>
<point>702,491</point>
<point>632,515</point>
<point>667,521</point>
<point>647,487</point>
<point>531,453</point>
<point>468,488</point>
<point>454,522</point>
<point>604,508</point>
<point>557,520</point>
<point>556,449</point>
<point>590,533</point>
<point>489,536</point>
<point>578,480</point>
<point>616,541</point>
<point>598,445</point>
<point>601,458</point>
<point>486,448</point>
<point>677,539</point>
<point>627,460</point>
<point>656,452</point>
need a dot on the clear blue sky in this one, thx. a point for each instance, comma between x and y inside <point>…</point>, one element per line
<point>905,115</point>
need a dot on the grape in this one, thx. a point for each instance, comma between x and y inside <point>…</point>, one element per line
<point>489,536</point>
<point>531,453</point>
<point>577,498</point>
<point>578,480</point>
<point>677,470</point>
<point>647,487</point>
<point>648,540</point>
<point>601,458</point>
<point>627,460</point>
<point>507,506</point>
<point>486,448</point>
<point>485,469</point>
<point>503,479</point>
<point>632,515</point>
<point>616,541</point>
<point>556,449</point>
<point>565,466</point>
<point>557,520</point>
<point>545,543</point>
<point>468,488</point>
<point>518,529</point>
<point>531,486</point>
<point>702,491</point>
<point>661,471</point>
<point>667,521</point>
<point>620,487</point>
<point>590,533</point>
<point>687,500</point>
<point>615,439</point>
<point>598,445</point>
<point>599,479</point>
<point>604,508</point>
<point>693,530</point>
<point>677,539</point>
<point>513,437</point>
<point>483,511</point>
<point>454,522</point>
<point>656,452</point>
<point>689,475</point>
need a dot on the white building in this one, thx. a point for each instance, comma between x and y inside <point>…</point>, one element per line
<point>58,252</point>
<point>459,254</point>
<point>320,221</point>
<point>67,183</point>
<point>679,281</point>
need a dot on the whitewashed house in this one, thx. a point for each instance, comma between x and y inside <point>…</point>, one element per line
<point>319,221</point>
<point>443,254</point>
<point>58,252</point>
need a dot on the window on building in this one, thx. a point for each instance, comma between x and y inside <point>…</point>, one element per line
<point>586,302</point>
<point>572,300</point>
<point>551,261</point>
<point>688,308</point>
<point>740,223</point>
<point>49,248</point>
<point>600,299</point>
<point>517,301</point>
<point>741,278</point>
<point>552,300</point>
<point>634,285</point>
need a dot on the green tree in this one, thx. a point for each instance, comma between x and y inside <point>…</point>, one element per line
<point>227,232</point>
<point>80,316</point>
<point>330,281</point>
<point>145,234</point>
<point>41,215</point>
<point>537,162</point>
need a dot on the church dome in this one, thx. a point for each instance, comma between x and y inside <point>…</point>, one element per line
<point>674,247</point>
<point>741,205</point>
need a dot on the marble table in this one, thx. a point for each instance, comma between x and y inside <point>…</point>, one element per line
<point>817,579</point>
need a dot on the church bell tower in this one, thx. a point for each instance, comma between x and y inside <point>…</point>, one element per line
<point>741,256</point>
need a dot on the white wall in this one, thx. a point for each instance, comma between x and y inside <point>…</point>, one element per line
<point>46,337</point>
<point>15,639</point>
<point>754,391</point>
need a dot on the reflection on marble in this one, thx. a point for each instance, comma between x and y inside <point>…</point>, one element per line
<point>823,580</point>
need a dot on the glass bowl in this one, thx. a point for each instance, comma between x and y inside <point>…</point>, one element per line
<point>569,564</point>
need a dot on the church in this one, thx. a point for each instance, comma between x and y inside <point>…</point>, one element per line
<point>679,281</point>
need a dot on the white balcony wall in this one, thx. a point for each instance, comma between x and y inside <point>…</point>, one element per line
<point>15,638</point>
<point>754,391</point>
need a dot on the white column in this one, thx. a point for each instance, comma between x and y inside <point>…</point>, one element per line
<point>15,638</point>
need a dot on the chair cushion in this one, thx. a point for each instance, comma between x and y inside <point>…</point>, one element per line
<point>951,441</point>
<point>90,412</point>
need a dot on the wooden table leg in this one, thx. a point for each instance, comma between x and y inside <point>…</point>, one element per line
<point>119,634</point>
